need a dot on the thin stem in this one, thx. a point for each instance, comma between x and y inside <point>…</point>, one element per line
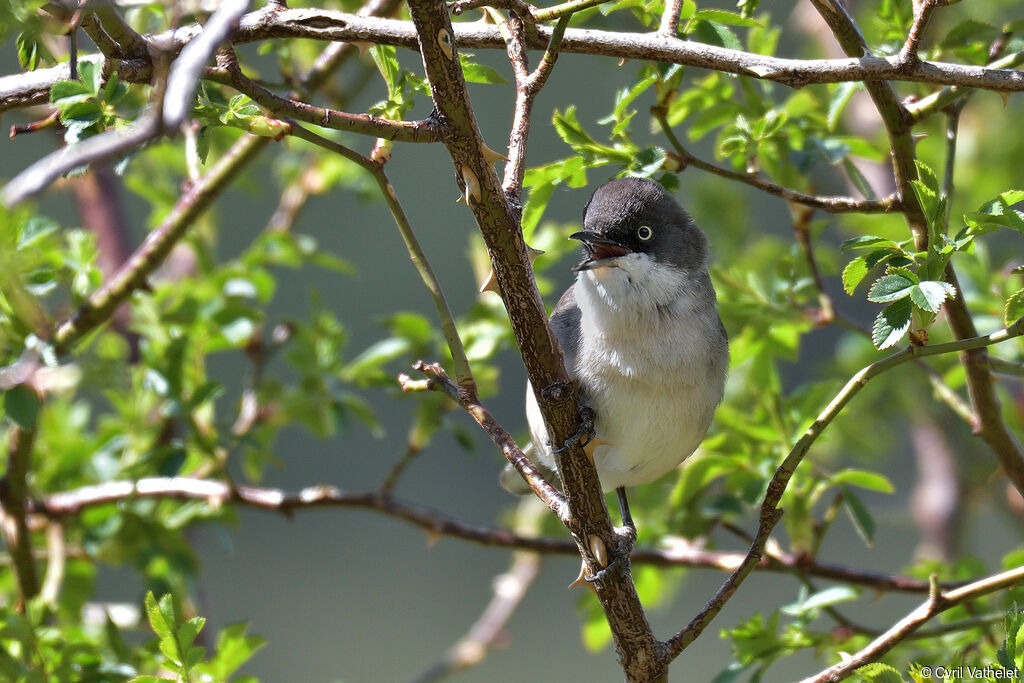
<point>463,374</point>
<point>670,18</point>
<point>922,12</point>
<point>826,203</point>
<point>937,101</point>
<point>564,9</point>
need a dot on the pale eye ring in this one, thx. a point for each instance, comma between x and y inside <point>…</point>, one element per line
<point>644,233</point>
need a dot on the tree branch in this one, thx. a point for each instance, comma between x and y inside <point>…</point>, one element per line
<point>830,204</point>
<point>13,499</point>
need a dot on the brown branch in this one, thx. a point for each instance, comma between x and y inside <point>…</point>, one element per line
<point>679,553</point>
<point>831,204</point>
<point>922,12</point>
<point>640,654</point>
<point>230,73</point>
<point>466,397</point>
<point>670,18</point>
<point>937,603</point>
<point>129,43</point>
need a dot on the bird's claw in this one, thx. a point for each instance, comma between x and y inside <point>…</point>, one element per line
<point>584,435</point>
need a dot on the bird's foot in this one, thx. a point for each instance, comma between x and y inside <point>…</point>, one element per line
<point>584,435</point>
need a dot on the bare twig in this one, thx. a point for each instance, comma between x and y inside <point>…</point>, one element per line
<point>464,375</point>
<point>937,603</point>
<point>922,12</point>
<point>129,42</point>
<point>437,380</point>
<point>670,18</point>
<point>112,144</point>
<point>830,204</point>
<point>509,589</point>
<point>229,73</point>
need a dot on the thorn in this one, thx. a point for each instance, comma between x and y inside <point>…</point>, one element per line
<point>581,580</point>
<point>490,283</point>
<point>470,182</point>
<point>444,41</point>
<point>599,550</point>
<point>432,538</point>
<point>461,199</point>
<point>492,157</point>
<point>362,46</point>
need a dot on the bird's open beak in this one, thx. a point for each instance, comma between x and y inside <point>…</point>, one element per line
<point>598,248</point>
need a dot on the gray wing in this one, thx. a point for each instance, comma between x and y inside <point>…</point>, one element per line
<point>565,322</point>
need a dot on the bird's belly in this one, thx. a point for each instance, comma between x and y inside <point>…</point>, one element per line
<point>649,430</point>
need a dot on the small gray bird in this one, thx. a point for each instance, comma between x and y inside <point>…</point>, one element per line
<point>641,337</point>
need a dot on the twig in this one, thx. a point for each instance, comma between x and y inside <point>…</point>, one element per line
<point>937,101</point>
<point>13,499</point>
<point>132,275</point>
<point>528,85</point>
<point>670,18</point>
<point>524,9</point>
<point>111,144</point>
<point>937,603</point>
<point>231,74</point>
<point>438,381</point>
<point>831,204</point>
<point>463,374</point>
<point>802,230</point>
<point>188,67</point>
<point>56,560</point>
<point>1006,367</point>
<point>922,12</point>
<point>565,9</point>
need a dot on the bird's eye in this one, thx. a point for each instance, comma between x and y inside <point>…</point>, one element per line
<point>644,233</point>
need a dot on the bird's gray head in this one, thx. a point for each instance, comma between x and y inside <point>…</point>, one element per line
<point>636,216</point>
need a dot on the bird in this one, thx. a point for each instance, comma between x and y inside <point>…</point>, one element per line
<point>641,338</point>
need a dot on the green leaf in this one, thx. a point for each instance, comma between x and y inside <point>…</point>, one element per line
<point>892,287</point>
<point>160,616</point>
<point>877,672</point>
<point>66,92</point>
<point>930,294</point>
<point>868,241</point>
<point>823,598</point>
<point>891,324</point>
<point>234,648</point>
<point>1014,308</point>
<point>837,103</point>
<point>862,520</point>
<point>22,405</point>
<point>871,481</point>
<point>479,73</point>
<point>854,272</point>
<point>723,17</point>
<point>386,59</point>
